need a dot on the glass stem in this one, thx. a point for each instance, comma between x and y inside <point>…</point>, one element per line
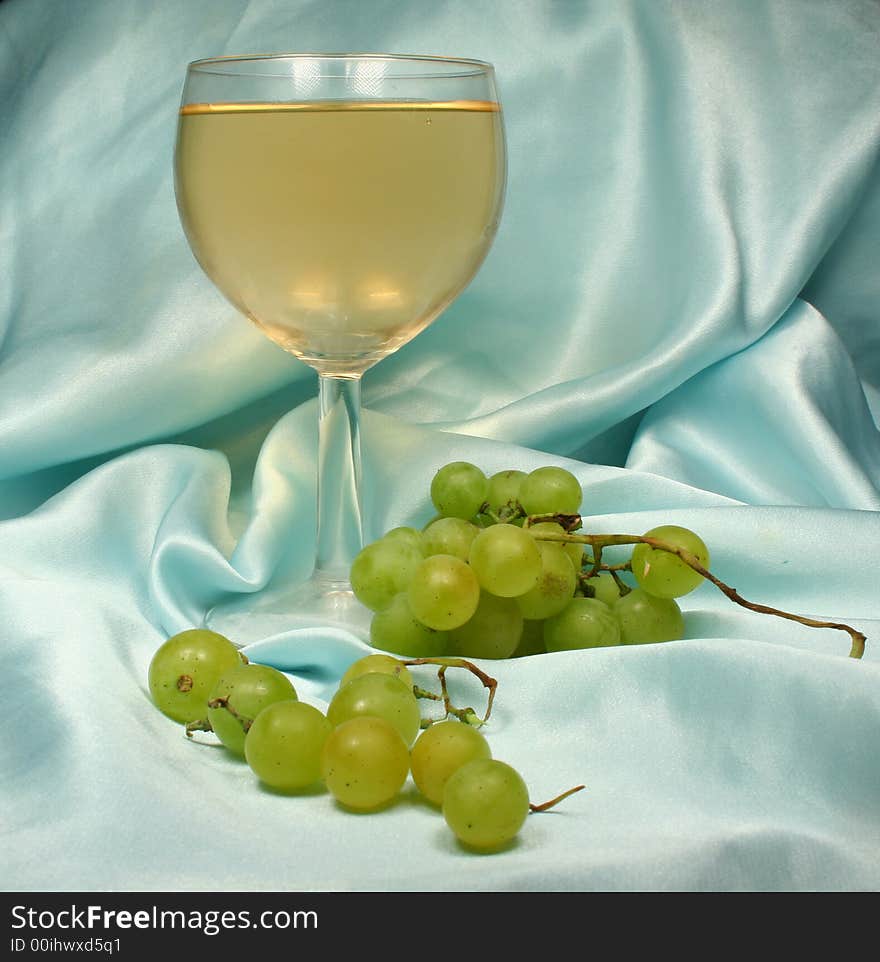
<point>340,522</point>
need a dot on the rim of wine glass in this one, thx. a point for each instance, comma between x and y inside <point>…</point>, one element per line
<point>475,67</point>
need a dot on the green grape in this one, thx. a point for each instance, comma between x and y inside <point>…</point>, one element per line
<point>485,803</point>
<point>364,763</point>
<point>383,569</point>
<point>240,695</point>
<point>551,490</point>
<point>459,490</point>
<point>442,749</point>
<point>444,592</point>
<point>573,549</point>
<point>378,662</point>
<point>407,535</point>
<point>184,670</point>
<point>485,521</point>
<point>583,623</point>
<point>662,573</point>
<point>505,560</point>
<point>283,746</point>
<point>450,536</point>
<point>396,629</point>
<point>645,619</point>
<point>504,489</point>
<point>532,640</point>
<point>493,631</point>
<point>555,587</point>
<point>604,587</point>
<point>380,696</point>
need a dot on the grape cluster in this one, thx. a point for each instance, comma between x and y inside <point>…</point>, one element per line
<point>362,750</point>
<point>498,573</point>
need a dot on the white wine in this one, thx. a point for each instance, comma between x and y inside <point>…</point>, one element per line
<point>341,228</point>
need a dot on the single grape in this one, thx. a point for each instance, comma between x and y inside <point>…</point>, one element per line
<point>604,587</point>
<point>442,749</point>
<point>485,803</point>
<point>531,641</point>
<point>444,592</point>
<point>662,573</point>
<point>551,490</point>
<point>381,696</point>
<point>645,618</point>
<point>506,560</point>
<point>283,745</point>
<point>583,623</point>
<point>555,587</point>
<point>383,569</point>
<point>407,535</point>
<point>450,536</point>
<point>240,695</point>
<point>396,629</point>
<point>573,549</point>
<point>504,489</point>
<point>364,763</point>
<point>493,631</point>
<point>184,670</point>
<point>459,490</point>
<point>378,662</point>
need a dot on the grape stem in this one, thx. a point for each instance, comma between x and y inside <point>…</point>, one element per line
<point>466,715</point>
<point>596,567</point>
<point>599,541</point>
<point>204,725</point>
<point>625,566</point>
<point>200,725</point>
<point>590,592</point>
<point>554,801</point>
<point>223,702</point>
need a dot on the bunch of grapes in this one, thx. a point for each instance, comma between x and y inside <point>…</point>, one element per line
<point>363,749</point>
<point>499,573</point>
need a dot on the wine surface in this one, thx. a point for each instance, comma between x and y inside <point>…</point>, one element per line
<point>340,228</point>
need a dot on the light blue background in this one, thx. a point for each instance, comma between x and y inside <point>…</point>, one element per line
<point>681,306</point>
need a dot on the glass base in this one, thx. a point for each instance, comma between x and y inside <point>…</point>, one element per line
<point>320,602</point>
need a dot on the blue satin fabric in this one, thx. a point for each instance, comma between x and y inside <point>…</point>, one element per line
<point>681,307</point>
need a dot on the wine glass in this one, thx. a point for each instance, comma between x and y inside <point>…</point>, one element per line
<point>340,202</point>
